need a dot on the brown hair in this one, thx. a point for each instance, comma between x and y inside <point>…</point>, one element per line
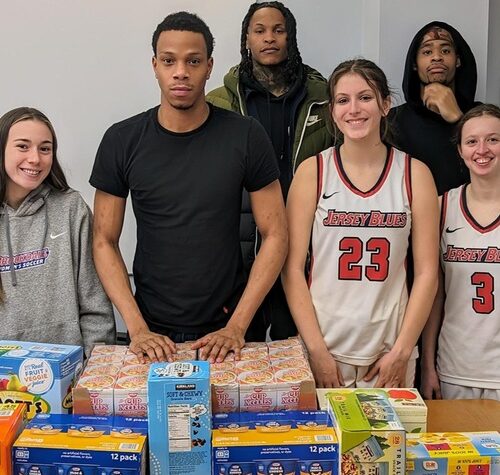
<point>55,178</point>
<point>377,81</point>
<point>478,111</point>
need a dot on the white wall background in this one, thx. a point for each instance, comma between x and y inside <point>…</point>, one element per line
<point>86,63</point>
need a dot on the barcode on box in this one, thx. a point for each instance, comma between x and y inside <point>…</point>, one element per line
<point>323,438</point>
<point>129,446</point>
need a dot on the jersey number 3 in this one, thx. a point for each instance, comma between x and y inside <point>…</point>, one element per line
<point>484,302</point>
<point>353,247</point>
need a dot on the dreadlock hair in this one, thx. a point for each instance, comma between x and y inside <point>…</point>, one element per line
<point>184,21</point>
<point>293,63</point>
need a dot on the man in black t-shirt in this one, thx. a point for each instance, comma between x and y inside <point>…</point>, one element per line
<point>185,164</point>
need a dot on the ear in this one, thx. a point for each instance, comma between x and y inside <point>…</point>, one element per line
<point>458,63</point>
<point>154,63</point>
<point>386,106</point>
<point>210,67</point>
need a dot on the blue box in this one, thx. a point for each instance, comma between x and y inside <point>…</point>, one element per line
<point>39,374</point>
<point>179,418</point>
<point>292,442</point>
<point>62,444</point>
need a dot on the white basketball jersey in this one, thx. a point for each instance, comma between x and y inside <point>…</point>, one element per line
<point>358,267</point>
<point>469,342</point>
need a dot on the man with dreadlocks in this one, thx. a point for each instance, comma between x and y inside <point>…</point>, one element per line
<point>290,100</point>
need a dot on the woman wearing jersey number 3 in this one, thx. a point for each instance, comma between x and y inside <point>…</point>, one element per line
<point>465,314</point>
<point>360,205</point>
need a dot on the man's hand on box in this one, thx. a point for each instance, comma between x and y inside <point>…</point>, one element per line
<point>153,346</point>
<point>216,345</point>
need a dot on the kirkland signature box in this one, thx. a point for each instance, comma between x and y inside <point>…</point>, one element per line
<point>62,444</point>
<point>271,443</point>
<point>371,436</point>
<point>39,374</point>
<point>453,453</point>
<point>180,418</point>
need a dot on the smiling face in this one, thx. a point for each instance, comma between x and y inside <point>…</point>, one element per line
<point>182,68</point>
<point>357,109</point>
<point>480,145</point>
<point>437,59</point>
<point>28,159</point>
<point>267,37</point>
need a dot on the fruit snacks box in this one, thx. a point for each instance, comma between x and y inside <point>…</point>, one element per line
<point>371,436</point>
<point>453,453</point>
<point>293,442</point>
<point>39,374</point>
<point>85,445</point>
<point>407,402</point>
<point>11,423</point>
<point>180,418</point>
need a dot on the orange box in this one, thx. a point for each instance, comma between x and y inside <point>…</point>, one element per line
<point>12,417</point>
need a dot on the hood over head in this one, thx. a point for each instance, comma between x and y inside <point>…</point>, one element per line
<point>465,75</point>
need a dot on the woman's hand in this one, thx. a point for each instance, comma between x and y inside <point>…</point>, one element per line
<point>325,370</point>
<point>390,369</point>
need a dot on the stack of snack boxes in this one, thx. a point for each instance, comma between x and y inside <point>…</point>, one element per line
<point>407,402</point>
<point>40,375</point>
<point>453,453</point>
<point>179,418</point>
<point>11,423</point>
<point>293,442</point>
<point>268,377</point>
<point>81,445</point>
<point>115,382</point>
<point>371,437</point>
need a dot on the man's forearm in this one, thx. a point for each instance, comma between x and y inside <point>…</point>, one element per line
<point>114,277</point>
<point>263,275</point>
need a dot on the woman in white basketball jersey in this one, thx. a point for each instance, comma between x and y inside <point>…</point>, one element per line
<point>466,312</point>
<point>357,207</point>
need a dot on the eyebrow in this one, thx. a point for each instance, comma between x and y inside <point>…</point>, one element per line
<point>28,140</point>
<point>364,91</point>
<point>274,26</point>
<point>443,43</point>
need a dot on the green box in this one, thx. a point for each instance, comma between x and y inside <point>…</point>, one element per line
<point>371,436</point>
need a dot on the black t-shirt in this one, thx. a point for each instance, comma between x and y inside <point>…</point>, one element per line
<point>186,195</point>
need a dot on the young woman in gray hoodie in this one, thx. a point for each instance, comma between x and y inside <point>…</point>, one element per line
<point>49,289</point>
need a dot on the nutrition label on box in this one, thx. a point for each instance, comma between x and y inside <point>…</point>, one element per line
<point>179,427</point>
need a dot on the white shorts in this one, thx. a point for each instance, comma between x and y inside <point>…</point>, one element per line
<point>353,375</point>
<point>455,391</point>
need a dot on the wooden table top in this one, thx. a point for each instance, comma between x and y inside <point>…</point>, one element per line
<point>463,415</point>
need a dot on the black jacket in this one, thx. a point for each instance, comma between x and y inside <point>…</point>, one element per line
<point>425,134</point>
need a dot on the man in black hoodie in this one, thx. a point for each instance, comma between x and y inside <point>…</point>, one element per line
<point>439,84</point>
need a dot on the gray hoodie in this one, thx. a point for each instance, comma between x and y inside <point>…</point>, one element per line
<point>52,293</point>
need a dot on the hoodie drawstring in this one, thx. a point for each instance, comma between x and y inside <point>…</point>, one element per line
<point>13,276</point>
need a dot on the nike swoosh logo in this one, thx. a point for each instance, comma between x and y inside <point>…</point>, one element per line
<point>325,196</point>
<point>312,122</point>
<point>55,236</point>
<point>448,230</point>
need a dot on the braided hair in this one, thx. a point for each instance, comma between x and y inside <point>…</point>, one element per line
<point>293,64</point>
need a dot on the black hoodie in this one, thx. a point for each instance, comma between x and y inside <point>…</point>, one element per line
<point>425,134</point>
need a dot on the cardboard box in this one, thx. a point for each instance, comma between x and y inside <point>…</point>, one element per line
<point>39,374</point>
<point>11,424</point>
<point>453,453</point>
<point>179,416</point>
<point>407,402</point>
<point>83,445</point>
<point>371,436</point>
<point>293,442</point>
